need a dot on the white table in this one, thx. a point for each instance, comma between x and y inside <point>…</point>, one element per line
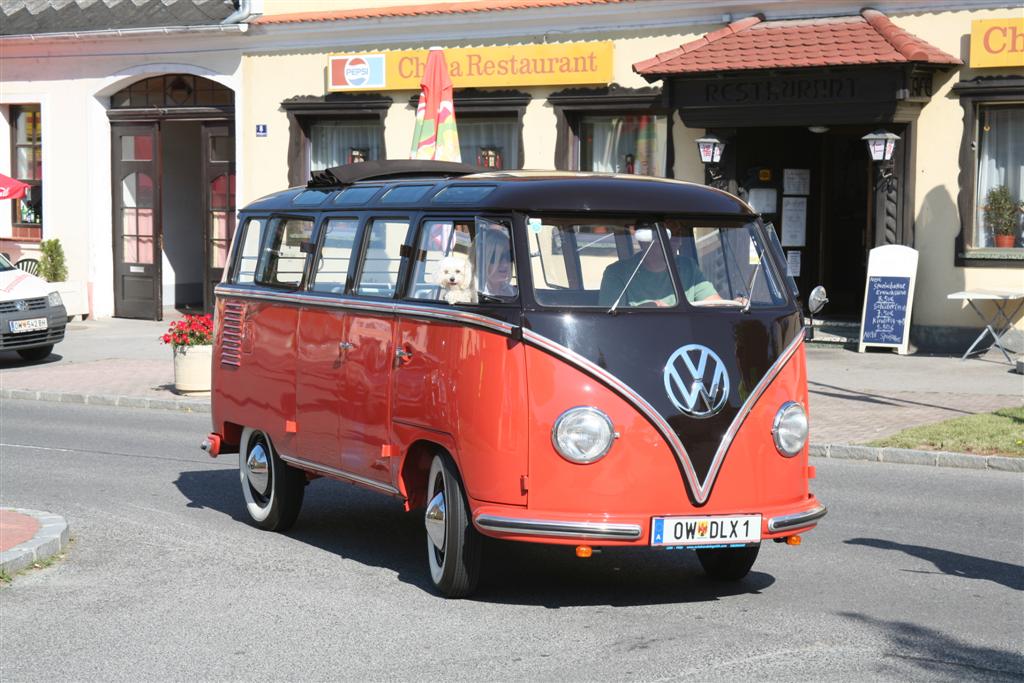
<point>1000,322</point>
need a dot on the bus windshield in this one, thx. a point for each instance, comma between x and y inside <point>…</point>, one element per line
<point>617,263</point>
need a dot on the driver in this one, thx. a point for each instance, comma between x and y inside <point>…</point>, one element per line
<point>651,284</point>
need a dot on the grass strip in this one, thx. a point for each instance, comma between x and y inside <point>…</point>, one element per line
<point>998,433</point>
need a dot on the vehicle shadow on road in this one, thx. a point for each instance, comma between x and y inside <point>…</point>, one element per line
<point>552,576</point>
<point>372,529</point>
<point>938,654</point>
<point>10,360</point>
<point>954,564</point>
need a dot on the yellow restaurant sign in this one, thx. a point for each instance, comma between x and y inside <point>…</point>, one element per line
<point>476,67</point>
<point>997,42</point>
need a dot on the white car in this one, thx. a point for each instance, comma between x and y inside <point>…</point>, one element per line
<point>32,315</point>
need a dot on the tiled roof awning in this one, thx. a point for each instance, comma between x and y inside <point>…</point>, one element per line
<point>372,12</point>
<point>752,43</point>
<point>25,17</point>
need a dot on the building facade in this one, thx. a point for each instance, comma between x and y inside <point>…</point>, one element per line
<point>625,87</point>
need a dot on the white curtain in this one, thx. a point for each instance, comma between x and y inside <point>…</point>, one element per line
<point>334,143</point>
<point>1000,161</point>
<point>624,144</point>
<point>480,136</point>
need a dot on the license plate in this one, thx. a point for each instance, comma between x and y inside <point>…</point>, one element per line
<point>30,325</point>
<point>697,531</point>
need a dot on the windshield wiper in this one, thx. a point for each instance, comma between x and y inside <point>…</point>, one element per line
<point>611,311</point>
<point>753,281</point>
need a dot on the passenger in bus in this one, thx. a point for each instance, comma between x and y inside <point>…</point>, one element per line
<point>496,269</point>
<point>648,279</point>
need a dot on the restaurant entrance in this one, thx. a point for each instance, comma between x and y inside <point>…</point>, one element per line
<point>816,188</point>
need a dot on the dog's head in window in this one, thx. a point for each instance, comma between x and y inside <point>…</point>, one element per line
<point>454,275</point>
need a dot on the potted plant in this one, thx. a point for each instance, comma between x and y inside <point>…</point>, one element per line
<point>191,339</point>
<point>53,268</point>
<point>1001,216</point>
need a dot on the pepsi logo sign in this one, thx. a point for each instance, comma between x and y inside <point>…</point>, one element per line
<point>357,71</point>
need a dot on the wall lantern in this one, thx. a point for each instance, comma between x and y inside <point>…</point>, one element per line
<point>881,145</point>
<point>710,148</point>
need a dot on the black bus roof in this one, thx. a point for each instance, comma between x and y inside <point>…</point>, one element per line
<point>441,186</point>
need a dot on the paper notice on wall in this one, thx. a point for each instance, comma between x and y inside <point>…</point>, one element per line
<point>763,199</point>
<point>794,221</point>
<point>796,181</point>
<point>793,263</point>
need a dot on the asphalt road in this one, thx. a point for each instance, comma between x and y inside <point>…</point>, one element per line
<point>916,574</point>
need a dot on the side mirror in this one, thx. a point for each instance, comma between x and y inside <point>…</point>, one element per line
<point>817,300</point>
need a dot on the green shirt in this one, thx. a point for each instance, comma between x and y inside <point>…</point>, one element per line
<point>649,286</point>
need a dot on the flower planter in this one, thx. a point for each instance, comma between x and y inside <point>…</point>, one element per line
<point>1005,241</point>
<point>192,368</point>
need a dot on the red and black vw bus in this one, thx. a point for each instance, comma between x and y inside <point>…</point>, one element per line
<point>622,366</point>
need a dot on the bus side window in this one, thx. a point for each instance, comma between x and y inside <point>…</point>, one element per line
<point>382,257</point>
<point>282,260</point>
<point>249,251</point>
<point>331,271</point>
<point>438,238</point>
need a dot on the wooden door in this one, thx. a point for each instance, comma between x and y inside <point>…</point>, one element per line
<point>136,220</point>
<point>218,203</point>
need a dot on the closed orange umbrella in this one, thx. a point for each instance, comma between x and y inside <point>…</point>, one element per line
<point>436,136</point>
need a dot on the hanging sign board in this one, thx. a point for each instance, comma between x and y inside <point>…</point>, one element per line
<point>888,297</point>
<point>997,42</point>
<point>476,67</point>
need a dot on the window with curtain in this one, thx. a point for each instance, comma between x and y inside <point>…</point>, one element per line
<point>27,149</point>
<point>1000,179</point>
<point>630,143</point>
<point>491,141</point>
<point>340,142</point>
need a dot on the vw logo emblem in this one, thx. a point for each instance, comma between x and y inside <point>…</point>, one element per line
<point>21,305</point>
<point>696,380</point>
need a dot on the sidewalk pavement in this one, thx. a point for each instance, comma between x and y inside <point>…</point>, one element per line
<point>854,398</point>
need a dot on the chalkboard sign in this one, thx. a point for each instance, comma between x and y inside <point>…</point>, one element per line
<point>888,297</point>
<point>885,315</point>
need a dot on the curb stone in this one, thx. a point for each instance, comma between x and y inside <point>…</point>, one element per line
<point>907,456</point>
<point>49,540</point>
<point>185,405</point>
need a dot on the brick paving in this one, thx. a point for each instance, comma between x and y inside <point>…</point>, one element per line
<point>854,417</point>
<point>16,528</point>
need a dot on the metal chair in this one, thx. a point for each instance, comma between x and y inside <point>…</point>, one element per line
<point>29,265</point>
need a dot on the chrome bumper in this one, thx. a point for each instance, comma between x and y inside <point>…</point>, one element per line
<point>797,520</point>
<point>536,527</point>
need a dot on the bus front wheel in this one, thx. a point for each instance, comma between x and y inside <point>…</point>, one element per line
<point>453,544</point>
<point>728,564</point>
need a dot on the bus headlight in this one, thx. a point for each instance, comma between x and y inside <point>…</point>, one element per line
<point>790,429</point>
<point>583,435</point>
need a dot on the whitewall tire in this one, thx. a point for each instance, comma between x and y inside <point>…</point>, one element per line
<point>272,490</point>
<point>453,545</point>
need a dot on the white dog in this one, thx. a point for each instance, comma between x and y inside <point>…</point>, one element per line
<point>455,275</point>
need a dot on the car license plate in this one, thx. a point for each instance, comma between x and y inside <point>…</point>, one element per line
<point>30,325</point>
<point>697,531</point>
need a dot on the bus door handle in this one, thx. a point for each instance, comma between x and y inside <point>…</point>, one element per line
<point>403,356</point>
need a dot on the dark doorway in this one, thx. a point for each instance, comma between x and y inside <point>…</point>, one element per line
<point>136,221</point>
<point>846,235</point>
<point>825,176</point>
